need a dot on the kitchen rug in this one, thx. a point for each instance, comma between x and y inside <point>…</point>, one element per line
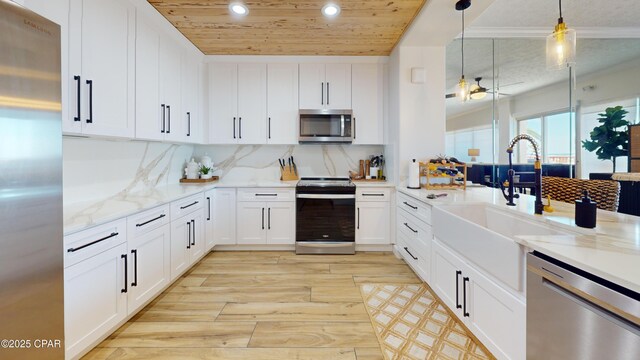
<point>411,323</point>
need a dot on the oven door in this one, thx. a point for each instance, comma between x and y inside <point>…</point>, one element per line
<point>322,126</point>
<point>325,217</point>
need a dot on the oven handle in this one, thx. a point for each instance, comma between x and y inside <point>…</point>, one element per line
<point>325,196</point>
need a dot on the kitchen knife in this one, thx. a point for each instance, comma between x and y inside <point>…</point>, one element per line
<point>295,167</point>
<point>289,164</point>
<point>281,162</point>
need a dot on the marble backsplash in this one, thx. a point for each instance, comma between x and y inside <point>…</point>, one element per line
<point>260,162</point>
<point>96,169</point>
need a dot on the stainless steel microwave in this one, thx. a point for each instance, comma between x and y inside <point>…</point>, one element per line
<point>325,126</point>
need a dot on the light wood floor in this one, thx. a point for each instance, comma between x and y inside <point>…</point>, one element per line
<point>261,306</point>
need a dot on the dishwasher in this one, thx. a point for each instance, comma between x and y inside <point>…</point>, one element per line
<point>572,314</point>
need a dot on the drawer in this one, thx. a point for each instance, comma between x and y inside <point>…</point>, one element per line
<point>414,230</point>
<point>415,257</point>
<point>148,220</point>
<point>415,207</point>
<point>373,194</point>
<point>266,194</point>
<point>186,206</point>
<point>88,243</point>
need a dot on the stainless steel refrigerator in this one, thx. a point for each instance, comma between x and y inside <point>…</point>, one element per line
<point>31,248</point>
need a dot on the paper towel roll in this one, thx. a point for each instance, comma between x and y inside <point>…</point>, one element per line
<point>414,175</point>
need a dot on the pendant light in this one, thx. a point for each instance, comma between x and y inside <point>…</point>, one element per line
<point>561,45</point>
<point>462,90</point>
<point>477,91</point>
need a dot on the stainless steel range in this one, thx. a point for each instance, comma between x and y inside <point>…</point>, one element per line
<point>325,216</point>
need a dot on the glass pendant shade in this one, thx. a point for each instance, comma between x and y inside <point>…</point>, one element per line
<point>561,48</point>
<point>462,90</point>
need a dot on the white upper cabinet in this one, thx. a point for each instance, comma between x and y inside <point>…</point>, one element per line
<point>191,124</point>
<point>282,103</point>
<point>170,82</point>
<point>160,76</point>
<point>252,103</point>
<point>368,103</point>
<point>238,103</point>
<point>325,86</point>
<point>149,121</point>
<point>102,68</point>
<point>223,103</point>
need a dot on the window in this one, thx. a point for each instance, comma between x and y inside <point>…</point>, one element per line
<point>554,133</point>
<point>458,143</point>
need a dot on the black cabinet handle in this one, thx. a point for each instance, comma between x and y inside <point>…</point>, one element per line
<point>209,209</point>
<point>188,234</point>
<point>262,218</point>
<point>409,252</point>
<point>93,242</point>
<point>410,228</point>
<point>168,119</point>
<point>186,206</point>
<point>152,220</point>
<point>239,128</point>
<point>465,280</point>
<point>327,93</point>
<point>411,206</point>
<point>354,128</point>
<point>371,194</point>
<point>90,119</point>
<point>234,127</point>
<point>134,253</point>
<point>458,273</point>
<point>358,226</point>
<point>269,219</point>
<point>188,123</point>
<point>269,128</point>
<point>124,256</point>
<point>322,95</point>
<point>78,81</point>
<point>193,228</point>
<point>164,113</point>
<point>266,194</point>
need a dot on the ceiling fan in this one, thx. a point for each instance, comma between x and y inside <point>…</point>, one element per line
<point>477,91</point>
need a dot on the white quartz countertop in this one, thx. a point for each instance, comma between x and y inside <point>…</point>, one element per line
<point>79,216</point>
<point>610,251</point>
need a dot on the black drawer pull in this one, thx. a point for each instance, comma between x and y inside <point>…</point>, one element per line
<point>152,220</point>
<point>90,119</point>
<point>134,252</point>
<point>372,194</point>
<point>186,206</point>
<point>124,257</point>
<point>188,234</point>
<point>188,123</point>
<point>410,228</point>
<point>409,252</point>
<point>465,280</point>
<point>209,208</point>
<point>193,229</point>
<point>411,206</point>
<point>266,194</point>
<point>458,273</point>
<point>93,242</point>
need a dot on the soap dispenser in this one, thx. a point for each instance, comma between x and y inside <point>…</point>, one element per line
<point>586,211</point>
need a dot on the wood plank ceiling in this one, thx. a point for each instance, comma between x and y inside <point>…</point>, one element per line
<point>291,27</point>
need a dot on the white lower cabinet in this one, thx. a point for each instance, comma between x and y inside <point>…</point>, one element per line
<point>187,242</point>
<point>187,233</point>
<point>149,255</point>
<point>96,285</point>
<point>496,317</point>
<point>373,213</point>
<point>266,222</point>
<point>220,217</point>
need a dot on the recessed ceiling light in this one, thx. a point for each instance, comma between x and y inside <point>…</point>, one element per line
<point>238,8</point>
<point>331,10</point>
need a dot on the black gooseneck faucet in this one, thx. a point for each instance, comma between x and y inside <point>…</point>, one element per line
<point>509,195</point>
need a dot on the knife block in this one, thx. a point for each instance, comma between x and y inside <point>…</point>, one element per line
<point>288,174</point>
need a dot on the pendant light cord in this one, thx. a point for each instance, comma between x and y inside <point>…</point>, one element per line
<point>462,43</point>
<point>560,8</point>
